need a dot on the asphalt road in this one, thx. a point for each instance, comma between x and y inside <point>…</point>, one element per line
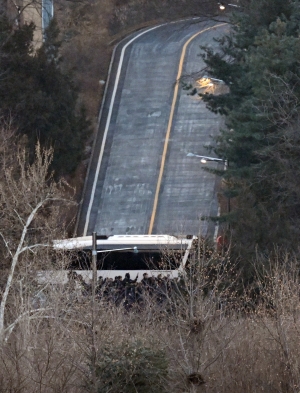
<point>140,179</point>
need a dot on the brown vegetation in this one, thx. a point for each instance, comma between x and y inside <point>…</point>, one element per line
<point>209,334</point>
<point>206,335</point>
<point>31,217</point>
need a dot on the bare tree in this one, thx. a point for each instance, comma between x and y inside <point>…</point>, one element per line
<point>30,202</point>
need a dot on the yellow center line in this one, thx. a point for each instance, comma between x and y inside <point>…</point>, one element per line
<point>163,159</point>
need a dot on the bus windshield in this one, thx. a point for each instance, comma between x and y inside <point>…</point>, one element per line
<point>128,260</point>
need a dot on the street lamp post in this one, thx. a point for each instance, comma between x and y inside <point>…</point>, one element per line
<point>222,6</point>
<point>94,285</point>
<point>94,263</point>
<point>94,259</point>
<point>210,78</point>
<point>94,313</point>
<point>204,160</point>
<point>134,249</point>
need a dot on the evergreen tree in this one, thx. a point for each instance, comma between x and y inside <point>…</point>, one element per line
<point>259,61</point>
<point>41,99</point>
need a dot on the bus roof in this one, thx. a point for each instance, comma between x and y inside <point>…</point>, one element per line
<point>119,241</point>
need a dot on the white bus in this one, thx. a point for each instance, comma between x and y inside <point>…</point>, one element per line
<point>121,254</point>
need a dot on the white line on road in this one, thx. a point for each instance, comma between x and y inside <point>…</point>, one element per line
<point>108,123</point>
<point>108,119</point>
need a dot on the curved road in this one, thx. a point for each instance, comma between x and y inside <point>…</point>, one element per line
<point>140,179</point>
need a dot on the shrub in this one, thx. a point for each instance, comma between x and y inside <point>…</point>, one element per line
<point>131,367</point>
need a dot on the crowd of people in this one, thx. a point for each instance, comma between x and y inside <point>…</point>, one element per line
<point>125,291</point>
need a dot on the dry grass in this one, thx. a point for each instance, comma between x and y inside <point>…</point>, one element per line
<point>212,342</point>
<point>236,354</point>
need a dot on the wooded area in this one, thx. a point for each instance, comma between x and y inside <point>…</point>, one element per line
<point>231,323</point>
<point>259,61</point>
<point>38,98</point>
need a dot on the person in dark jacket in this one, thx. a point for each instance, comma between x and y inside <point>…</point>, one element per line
<point>145,280</point>
<point>129,285</point>
<point>127,280</point>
